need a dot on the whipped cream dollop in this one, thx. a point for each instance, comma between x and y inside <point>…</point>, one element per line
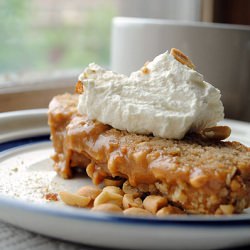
<point>164,98</point>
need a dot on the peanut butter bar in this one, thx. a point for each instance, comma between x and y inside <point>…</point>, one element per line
<point>195,174</point>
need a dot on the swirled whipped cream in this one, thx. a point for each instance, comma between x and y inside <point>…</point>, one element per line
<point>164,98</point>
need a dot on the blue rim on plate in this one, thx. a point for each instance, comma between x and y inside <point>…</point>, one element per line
<point>16,143</point>
<point>84,214</point>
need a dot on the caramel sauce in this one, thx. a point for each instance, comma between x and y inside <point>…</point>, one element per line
<point>190,164</point>
<point>140,159</point>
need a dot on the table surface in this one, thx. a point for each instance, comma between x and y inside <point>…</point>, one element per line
<point>13,238</point>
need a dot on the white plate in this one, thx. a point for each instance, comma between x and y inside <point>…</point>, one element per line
<point>26,174</point>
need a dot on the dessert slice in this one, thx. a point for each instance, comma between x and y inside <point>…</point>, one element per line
<point>195,174</point>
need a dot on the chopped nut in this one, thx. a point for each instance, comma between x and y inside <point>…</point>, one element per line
<point>218,211</point>
<point>231,175</point>
<point>51,196</point>
<point>90,169</point>
<point>214,199</point>
<point>198,181</point>
<point>216,133</point>
<point>74,199</point>
<point>153,203</point>
<point>181,57</point>
<point>108,197</point>
<point>227,209</point>
<point>79,89</point>
<point>107,207</point>
<point>89,191</point>
<point>235,185</point>
<point>113,182</point>
<point>241,204</point>
<point>128,189</point>
<point>223,192</point>
<point>124,150</point>
<point>152,156</point>
<point>145,70</point>
<point>130,201</point>
<point>243,168</point>
<point>113,189</point>
<point>140,157</point>
<point>136,211</point>
<point>96,176</point>
<point>179,196</point>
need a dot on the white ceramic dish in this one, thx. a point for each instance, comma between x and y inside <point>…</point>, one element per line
<point>26,174</point>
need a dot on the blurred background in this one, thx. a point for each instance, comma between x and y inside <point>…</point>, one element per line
<point>44,44</point>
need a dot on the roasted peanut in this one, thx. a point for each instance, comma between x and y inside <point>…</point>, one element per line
<point>153,203</point>
<point>130,201</point>
<point>136,211</point>
<point>113,182</point>
<point>113,189</point>
<point>107,207</point>
<point>128,189</point>
<point>182,58</point>
<point>74,199</point>
<point>89,191</point>
<point>165,211</point>
<point>90,169</point>
<point>216,133</point>
<point>227,209</point>
<point>108,197</point>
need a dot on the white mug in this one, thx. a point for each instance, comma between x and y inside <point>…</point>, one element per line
<point>221,52</point>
